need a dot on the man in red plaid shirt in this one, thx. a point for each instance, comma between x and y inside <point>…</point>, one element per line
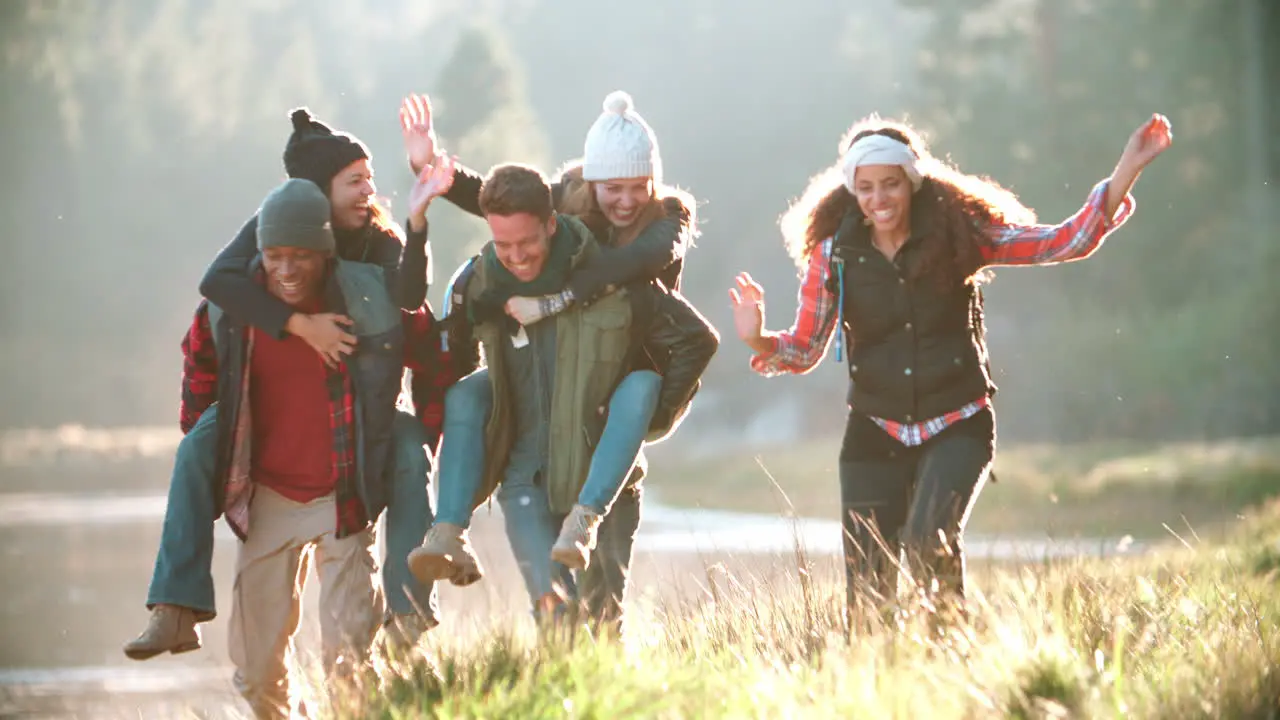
<point>303,451</point>
<point>340,165</point>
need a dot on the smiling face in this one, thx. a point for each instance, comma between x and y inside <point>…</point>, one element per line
<point>295,275</point>
<point>622,200</point>
<point>522,242</point>
<point>350,193</point>
<point>884,195</point>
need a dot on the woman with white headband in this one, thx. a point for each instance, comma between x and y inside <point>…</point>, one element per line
<point>893,245</point>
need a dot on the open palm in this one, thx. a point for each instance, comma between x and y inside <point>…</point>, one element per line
<point>434,180</point>
<point>747,300</point>
<point>418,132</point>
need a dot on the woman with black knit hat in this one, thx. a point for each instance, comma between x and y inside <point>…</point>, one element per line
<point>894,244</point>
<point>340,164</point>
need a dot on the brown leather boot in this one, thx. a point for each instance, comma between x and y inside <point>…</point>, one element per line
<point>171,629</point>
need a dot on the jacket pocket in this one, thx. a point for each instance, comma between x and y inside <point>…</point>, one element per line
<point>377,367</point>
<point>610,330</point>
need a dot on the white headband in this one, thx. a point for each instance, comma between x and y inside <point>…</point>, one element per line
<point>879,150</point>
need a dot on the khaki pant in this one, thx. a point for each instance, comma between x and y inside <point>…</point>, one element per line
<point>271,571</point>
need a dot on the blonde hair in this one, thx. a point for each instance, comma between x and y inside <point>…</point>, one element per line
<point>579,200</point>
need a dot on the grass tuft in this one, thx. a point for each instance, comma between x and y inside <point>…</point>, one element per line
<point>1187,633</point>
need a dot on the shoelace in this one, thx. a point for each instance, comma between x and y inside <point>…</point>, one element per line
<point>582,524</point>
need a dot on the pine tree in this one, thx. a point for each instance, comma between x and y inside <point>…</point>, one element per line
<point>483,116</point>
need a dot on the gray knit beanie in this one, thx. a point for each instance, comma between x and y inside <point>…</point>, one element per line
<point>296,214</point>
<point>620,144</point>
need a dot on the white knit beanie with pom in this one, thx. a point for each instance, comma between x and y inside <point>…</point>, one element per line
<point>620,144</point>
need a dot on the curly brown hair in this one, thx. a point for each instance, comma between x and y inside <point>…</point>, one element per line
<point>579,200</point>
<point>949,212</point>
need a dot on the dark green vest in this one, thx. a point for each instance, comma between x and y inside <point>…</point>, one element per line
<point>591,356</point>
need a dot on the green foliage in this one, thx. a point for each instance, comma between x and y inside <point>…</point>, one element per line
<point>1165,331</point>
<point>144,133</point>
<point>478,81</point>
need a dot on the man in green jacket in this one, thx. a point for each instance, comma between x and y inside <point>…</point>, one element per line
<point>551,385</point>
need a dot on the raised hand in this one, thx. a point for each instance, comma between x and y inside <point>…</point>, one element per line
<point>1150,139</point>
<point>434,180</point>
<point>418,131</point>
<point>747,300</point>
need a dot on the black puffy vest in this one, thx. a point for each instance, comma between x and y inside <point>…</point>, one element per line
<point>916,349</point>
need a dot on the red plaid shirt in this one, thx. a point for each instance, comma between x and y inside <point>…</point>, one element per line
<point>200,368</point>
<point>798,350</point>
<point>200,390</point>
<point>426,357</point>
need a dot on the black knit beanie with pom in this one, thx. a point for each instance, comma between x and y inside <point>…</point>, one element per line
<point>316,153</point>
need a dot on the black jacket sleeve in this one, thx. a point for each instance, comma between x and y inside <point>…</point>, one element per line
<point>228,285</point>
<point>465,193</point>
<point>660,245</point>
<point>681,343</point>
<point>407,267</point>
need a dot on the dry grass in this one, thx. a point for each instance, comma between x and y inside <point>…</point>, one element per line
<point>1189,633</point>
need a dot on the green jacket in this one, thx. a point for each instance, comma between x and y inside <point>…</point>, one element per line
<point>591,356</point>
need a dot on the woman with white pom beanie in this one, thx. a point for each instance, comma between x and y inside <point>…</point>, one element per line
<point>644,228</point>
<point>620,144</point>
<point>610,188</point>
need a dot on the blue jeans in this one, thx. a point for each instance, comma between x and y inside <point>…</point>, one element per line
<point>630,412</point>
<point>467,406</point>
<point>531,526</point>
<point>408,517</point>
<point>532,529</point>
<point>183,572</point>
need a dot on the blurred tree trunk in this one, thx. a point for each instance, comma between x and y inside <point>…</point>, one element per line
<point>1046,41</point>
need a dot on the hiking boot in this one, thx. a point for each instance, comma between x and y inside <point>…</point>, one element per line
<point>171,629</point>
<point>445,555</point>
<point>577,538</point>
